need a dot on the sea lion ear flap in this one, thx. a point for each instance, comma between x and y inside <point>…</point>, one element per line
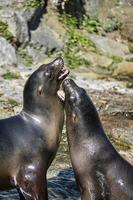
<point>40,90</point>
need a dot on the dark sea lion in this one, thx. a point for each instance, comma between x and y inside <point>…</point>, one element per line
<point>29,140</point>
<point>101,173</point>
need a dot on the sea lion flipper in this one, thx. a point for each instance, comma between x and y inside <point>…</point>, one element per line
<point>31,185</point>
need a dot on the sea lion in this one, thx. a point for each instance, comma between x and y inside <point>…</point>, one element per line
<point>29,140</point>
<point>101,173</point>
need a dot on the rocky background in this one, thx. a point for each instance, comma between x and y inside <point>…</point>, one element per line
<point>95,38</point>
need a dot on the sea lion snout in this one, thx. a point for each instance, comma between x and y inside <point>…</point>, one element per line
<point>71,90</point>
<point>58,63</point>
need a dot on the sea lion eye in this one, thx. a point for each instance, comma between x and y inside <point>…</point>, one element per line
<point>48,74</point>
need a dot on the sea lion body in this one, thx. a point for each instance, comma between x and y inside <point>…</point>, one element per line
<point>101,173</point>
<point>29,140</point>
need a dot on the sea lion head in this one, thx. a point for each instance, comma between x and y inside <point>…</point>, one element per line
<point>74,96</point>
<point>42,86</point>
<point>78,105</point>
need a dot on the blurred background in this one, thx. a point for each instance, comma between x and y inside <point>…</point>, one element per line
<point>95,39</point>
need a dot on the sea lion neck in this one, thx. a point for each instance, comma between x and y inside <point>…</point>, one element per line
<point>41,108</point>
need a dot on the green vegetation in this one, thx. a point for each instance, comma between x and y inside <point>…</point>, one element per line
<point>129,59</point>
<point>116,59</point>
<point>92,26</point>
<point>33,3</point>
<point>78,40</point>
<point>26,58</point>
<point>130,47</point>
<point>120,144</point>
<point>11,75</point>
<point>12,103</point>
<point>4,32</point>
<point>111,24</point>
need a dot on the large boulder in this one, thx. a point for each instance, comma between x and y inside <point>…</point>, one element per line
<point>92,7</point>
<point>109,46</point>
<point>50,34</point>
<point>7,54</point>
<point>17,23</point>
<point>124,69</point>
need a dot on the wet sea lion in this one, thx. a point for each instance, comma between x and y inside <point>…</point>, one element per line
<point>101,173</point>
<point>29,140</point>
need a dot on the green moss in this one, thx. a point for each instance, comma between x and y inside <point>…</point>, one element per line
<point>111,24</point>
<point>120,144</point>
<point>116,59</point>
<point>11,75</point>
<point>4,32</point>
<point>129,59</point>
<point>78,41</point>
<point>26,58</point>
<point>68,21</point>
<point>130,47</point>
<point>12,102</point>
<point>92,26</point>
<point>33,3</point>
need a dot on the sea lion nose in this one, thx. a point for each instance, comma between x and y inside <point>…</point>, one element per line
<point>58,62</point>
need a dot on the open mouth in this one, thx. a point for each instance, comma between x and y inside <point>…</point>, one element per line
<point>63,74</point>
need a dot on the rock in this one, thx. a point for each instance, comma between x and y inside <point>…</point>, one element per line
<point>49,35</point>
<point>10,2</point>
<point>109,46</point>
<point>97,60</point>
<point>92,7</point>
<point>124,68</point>
<point>22,30</point>
<point>18,23</point>
<point>7,54</point>
<point>124,15</point>
<point>7,15</point>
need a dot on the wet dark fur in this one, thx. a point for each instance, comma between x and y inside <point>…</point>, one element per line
<point>29,140</point>
<point>101,173</point>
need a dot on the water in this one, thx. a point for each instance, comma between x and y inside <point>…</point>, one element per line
<point>60,186</point>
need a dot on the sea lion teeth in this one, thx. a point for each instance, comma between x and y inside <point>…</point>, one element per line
<point>61,95</point>
<point>64,74</point>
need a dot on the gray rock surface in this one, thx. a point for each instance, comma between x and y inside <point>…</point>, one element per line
<point>92,7</point>
<point>10,2</point>
<point>109,46</point>
<point>7,54</point>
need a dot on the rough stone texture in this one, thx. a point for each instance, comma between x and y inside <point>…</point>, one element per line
<point>124,15</point>
<point>22,31</point>
<point>7,54</point>
<point>17,22</point>
<point>109,46</point>
<point>97,60</point>
<point>92,7</point>
<point>10,2</point>
<point>124,68</point>
<point>8,15</point>
<point>50,34</point>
